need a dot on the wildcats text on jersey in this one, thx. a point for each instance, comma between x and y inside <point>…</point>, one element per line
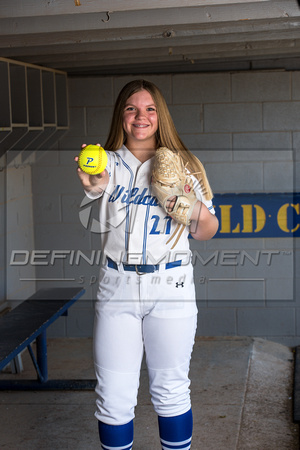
<point>133,196</point>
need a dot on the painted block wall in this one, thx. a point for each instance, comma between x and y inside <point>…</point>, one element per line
<point>245,128</point>
<point>2,236</point>
<point>16,232</point>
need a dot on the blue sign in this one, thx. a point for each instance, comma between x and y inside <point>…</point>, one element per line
<point>258,215</point>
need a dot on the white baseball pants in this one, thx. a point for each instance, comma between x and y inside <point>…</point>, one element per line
<point>136,313</point>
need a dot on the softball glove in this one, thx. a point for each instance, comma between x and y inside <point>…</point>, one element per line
<point>170,179</point>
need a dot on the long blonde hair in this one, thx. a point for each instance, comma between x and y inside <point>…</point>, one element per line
<point>166,135</point>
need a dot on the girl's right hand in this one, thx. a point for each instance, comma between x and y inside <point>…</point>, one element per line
<point>96,183</point>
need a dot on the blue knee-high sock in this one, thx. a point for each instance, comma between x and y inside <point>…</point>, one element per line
<point>176,432</point>
<point>116,436</point>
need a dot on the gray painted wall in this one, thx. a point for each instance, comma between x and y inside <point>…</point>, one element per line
<point>245,128</point>
<point>16,232</point>
<point>2,236</point>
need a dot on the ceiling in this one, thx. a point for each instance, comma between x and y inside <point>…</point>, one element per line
<point>107,37</point>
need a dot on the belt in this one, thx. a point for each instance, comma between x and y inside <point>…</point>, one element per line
<point>141,268</point>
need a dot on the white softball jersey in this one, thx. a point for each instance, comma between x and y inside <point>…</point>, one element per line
<point>134,228</point>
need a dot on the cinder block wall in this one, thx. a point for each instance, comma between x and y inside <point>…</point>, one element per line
<point>245,128</point>
<point>16,233</point>
<point>2,236</point>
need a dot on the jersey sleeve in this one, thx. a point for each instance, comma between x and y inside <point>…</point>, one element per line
<point>199,195</point>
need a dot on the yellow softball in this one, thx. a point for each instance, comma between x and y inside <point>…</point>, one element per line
<point>92,159</point>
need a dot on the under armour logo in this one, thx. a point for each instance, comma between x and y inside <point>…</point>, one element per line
<point>179,284</point>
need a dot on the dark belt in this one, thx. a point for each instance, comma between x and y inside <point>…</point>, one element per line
<point>141,268</point>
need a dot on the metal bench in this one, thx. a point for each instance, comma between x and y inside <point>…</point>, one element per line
<point>29,322</point>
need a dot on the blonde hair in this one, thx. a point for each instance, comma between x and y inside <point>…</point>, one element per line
<point>166,135</point>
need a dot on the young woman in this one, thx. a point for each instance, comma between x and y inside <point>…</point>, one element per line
<point>146,297</point>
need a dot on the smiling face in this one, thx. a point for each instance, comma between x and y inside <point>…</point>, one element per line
<point>140,121</point>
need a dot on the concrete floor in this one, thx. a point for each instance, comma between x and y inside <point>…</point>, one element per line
<point>241,396</point>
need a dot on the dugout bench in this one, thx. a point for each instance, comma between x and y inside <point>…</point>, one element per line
<point>28,322</point>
